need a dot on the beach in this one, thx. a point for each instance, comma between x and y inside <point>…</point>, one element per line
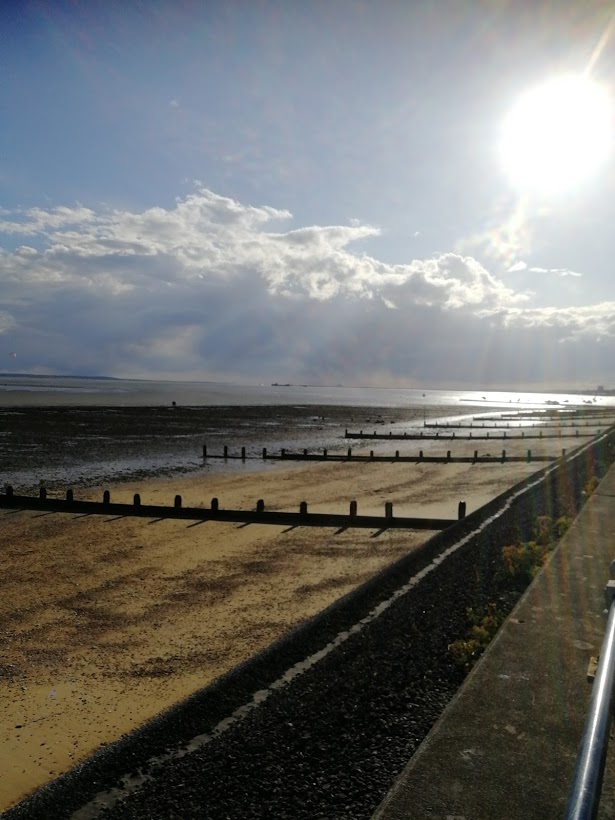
<point>105,622</point>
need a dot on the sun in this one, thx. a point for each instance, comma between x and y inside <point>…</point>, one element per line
<point>557,134</point>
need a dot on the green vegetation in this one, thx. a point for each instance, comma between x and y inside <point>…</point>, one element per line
<point>484,623</point>
<point>520,563</point>
<point>517,567</point>
<point>590,486</point>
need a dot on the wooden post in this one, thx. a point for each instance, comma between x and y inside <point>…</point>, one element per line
<point>204,451</point>
<point>69,496</point>
<point>243,453</point>
<point>303,508</point>
<point>576,433</point>
<point>178,502</point>
<point>225,451</point>
<point>283,452</point>
<point>8,491</point>
<point>461,510</point>
<point>487,434</point>
<point>522,434</point>
<point>371,453</point>
<point>529,456</point>
<point>396,453</point>
<point>448,455</point>
<point>475,456</point>
<point>136,500</point>
<point>324,453</point>
<point>503,456</point>
<point>260,506</point>
<point>346,433</point>
<point>305,451</point>
<point>264,453</point>
<point>42,493</point>
<point>349,452</point>
<point>106,497</point>
<point>420,455</point>
<point>540,434</point>
<point>214,504</point>
<point>353,508</point>
<point>388,509</point>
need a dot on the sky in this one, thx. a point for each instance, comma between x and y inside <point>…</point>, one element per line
<point>309,192</point>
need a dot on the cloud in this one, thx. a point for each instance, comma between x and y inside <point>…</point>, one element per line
<point>214,288</point>
<point>206,236</point>
<point>6,321</point>
<point>556,271</point>
<point>523,266</point>
<point>591,321</point>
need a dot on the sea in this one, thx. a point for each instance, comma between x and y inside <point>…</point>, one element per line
<point>104,392</point>
<point>75,432</point>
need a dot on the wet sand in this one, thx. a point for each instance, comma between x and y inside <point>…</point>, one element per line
<point>105,622</point>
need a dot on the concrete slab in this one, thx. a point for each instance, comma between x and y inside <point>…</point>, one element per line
<point>506,746</point>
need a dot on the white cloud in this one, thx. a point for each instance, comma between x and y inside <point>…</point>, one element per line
<point>207,235</point>
<point>556,271</point>
<point>523,266</point>
<point>6,321</point>
<point>592,321</point>
<point>213,286</point>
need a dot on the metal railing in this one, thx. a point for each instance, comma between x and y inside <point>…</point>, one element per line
<point>584,796</point>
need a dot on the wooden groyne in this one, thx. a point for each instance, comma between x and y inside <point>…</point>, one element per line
<point>449,436</point>
<point>260,515</point>
<point>502,458</point>
<point>548,424</point>
<point>550,415</point>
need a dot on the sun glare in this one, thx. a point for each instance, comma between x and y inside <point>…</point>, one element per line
<point>557,134</point>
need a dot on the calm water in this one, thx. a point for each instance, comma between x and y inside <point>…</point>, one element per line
<point>41,391</point>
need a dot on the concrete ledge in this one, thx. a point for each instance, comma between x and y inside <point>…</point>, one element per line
<point>506,746</point>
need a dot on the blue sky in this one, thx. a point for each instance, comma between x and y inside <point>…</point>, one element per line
<point>294,191</point>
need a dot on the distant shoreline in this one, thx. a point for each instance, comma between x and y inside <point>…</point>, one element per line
<point>570,391</point>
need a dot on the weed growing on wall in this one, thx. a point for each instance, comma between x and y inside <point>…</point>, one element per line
<point>519,565</point>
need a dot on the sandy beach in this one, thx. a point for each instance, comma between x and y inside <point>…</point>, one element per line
<point>105,622</point>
